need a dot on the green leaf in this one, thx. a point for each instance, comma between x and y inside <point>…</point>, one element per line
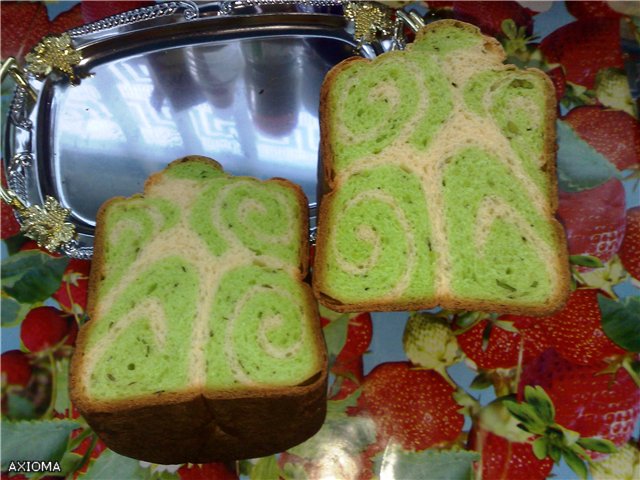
<point>601,445</point>
<point>20,408</point>
<point>586,261</point>
<point>14,243</point>
<point>265,468</point>
<point>338,408</point>
<point>335,336</point>
<point>70,462</point>
<point>468,319</point>
<point>575,463</point>
<point>32,276</point>
<point>481,381</point>
<point>506,325</point>
<point>569,437</point>
<point>540,401</point>
<point>621,321</point>
<point>527,415</point>
<point>555,452</point>
<point>44,440</point>
<point>540,448</point>
<point>111,465</point>
<point>440,464</point>
<point>486,336</point>
<point>12,311</point>
<point>580,166</point>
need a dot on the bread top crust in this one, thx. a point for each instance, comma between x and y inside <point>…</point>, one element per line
<point>78,385</point>
<point>333,181</point>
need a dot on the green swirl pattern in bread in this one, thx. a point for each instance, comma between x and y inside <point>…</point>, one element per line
<point>439,170</point>
<point>204,342</point>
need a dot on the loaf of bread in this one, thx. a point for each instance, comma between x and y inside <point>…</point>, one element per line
<point>439,166</point>
<point>203,343</point>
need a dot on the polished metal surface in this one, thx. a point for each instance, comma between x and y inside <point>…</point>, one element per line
<point>252,104</point>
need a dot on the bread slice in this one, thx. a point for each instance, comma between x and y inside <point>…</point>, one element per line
<point>203,343</point>
<point>440,166</point>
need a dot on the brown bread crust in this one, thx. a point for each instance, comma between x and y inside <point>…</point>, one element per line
<point>201,425</point>
<point>447,301</point>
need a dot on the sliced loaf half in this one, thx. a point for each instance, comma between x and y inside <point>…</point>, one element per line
<point>203,342</point>
<point>440,166</point>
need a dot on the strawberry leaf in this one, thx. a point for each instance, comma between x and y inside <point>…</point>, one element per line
<point>580,166</point>
<point>527,415</point>
<point>601,445</point>
<point>585,261</point>
<point>621,321</point>
<point>266,467</point>
<point>540,448</point>
<point>555,453</point>
<point>575,463</point>
<point>20,408</point>
<point>12,311</point>
<point>540,401</point>
<point>44,440</point>
<point>32,276</point>
<point>441,464</point>
<point>110,465</point>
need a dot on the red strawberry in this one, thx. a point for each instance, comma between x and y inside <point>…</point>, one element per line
<point>207,471</point>
<point>503,347</point>
<point>559,81</point>
<point>359,333</point>
<point>412,407</point>
<point>594,219</point>
<point>629,252</point>
<point>46,327</point>
<point>490,15</point>
<point>93,11</point>
<point>613,133</point>
<point>591,9</point>
<point>584,47</point>
<point>23,24</point>
<point>504,459</point>
<point>9,226</point>
<point>72,294</point>
<point>16,368</point>
<point>586,400</point>
<point>576,330</point>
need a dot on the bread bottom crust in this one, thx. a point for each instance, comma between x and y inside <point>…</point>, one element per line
<point>220,428</point>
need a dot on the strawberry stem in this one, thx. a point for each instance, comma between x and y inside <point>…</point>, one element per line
<point>54,384</point>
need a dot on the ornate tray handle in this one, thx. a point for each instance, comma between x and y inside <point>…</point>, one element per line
<point>46,224</point>
<point>10,67</point>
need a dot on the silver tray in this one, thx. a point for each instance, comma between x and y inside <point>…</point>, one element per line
<point>235,81</point>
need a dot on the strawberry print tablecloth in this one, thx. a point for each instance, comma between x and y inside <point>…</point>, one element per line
<point>428,395</point>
